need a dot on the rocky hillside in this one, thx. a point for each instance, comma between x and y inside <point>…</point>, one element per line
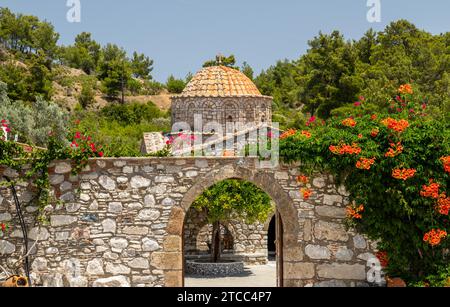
<point>68,83</point>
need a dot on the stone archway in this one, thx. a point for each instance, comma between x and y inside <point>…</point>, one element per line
<point>130,212</point>
<point>261,179</point>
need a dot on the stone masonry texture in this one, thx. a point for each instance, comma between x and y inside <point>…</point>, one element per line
<point>121,223</point>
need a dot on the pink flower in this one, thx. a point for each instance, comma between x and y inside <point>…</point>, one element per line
<point>311,120</point>
<point>78,135</point>
<point>358,104</point>
<point>101,154</point>
<point>362,98</point>
<point>92,145</point>
<point>424,106</point>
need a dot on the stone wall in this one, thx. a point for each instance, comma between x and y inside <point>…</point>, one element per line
<point>121,223</point>
<point>222,110</point>
<point>241,241</point>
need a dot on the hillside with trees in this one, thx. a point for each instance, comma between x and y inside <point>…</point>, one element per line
<point>82,80</point>
<point>335,72</point>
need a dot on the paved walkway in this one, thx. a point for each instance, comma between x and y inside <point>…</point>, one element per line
<point>254,276</point>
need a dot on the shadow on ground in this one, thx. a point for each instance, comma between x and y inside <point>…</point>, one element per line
<point>247,272</point>
<point>253,276</point>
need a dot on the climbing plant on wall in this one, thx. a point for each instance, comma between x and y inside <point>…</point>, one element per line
<point>32,164</point>
<point>396,167</point>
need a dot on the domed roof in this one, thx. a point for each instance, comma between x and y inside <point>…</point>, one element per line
<point>220,81</point>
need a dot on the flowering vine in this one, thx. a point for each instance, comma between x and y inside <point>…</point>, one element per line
<point>385,161</point>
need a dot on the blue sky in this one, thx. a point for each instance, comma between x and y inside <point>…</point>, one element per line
<point>181,34</point>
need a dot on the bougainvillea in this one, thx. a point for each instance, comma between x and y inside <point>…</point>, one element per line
<point>404,149</point>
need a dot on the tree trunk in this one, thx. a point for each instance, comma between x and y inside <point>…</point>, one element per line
<point>215,243</point>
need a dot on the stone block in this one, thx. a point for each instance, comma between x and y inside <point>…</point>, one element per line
<point>342,271</point>
<point>112,282</point>
<point>139,263</point>
<point>62,220</point>
<point>300,270</point>
<point>167,261</point>
<point>95,267</point>
<point>331,200</point>
<point>330,231</point>
<point>173,279</point>
<point>331,211</point>
<point>135,230</point>
<point>172,244</point>
<point>317,252</point>
<point>139,182</point>
<point>107,183</point>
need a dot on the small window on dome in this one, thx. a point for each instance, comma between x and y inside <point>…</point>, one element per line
<point>230,119</point>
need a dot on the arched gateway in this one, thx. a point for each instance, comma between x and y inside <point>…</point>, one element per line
<point>264,180</point>
<point>122,223</point>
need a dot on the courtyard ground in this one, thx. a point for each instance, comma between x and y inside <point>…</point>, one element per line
<point>254,276</point>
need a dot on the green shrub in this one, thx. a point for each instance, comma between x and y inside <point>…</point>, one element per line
<point>33,122</point>
<point>121,136</point>
<point>151,88</point>
<point>175,86</point>
<point>87,95</point>
<point>133,113</point>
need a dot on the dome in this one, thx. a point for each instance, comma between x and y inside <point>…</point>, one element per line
<point>220,81</point>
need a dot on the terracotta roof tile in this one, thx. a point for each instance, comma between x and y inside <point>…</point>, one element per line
<point>220,81</point>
